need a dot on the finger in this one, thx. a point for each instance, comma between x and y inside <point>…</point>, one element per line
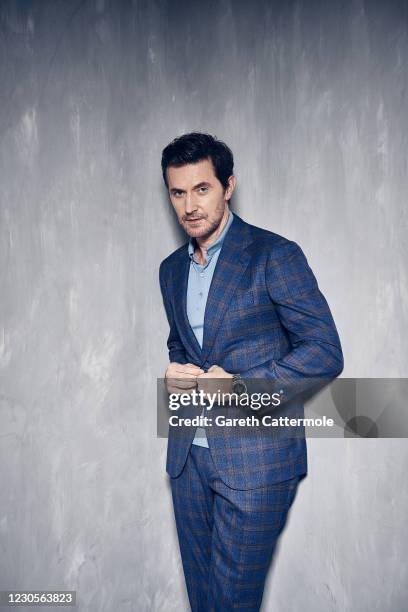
<point>182,384</point>
<point>190,367</point>
<point>181,375</point>
<point>177,391</point>
<point>184,366</point>
<point>174,365</point>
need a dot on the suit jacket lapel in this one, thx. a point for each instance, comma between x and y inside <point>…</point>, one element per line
<point>180,281</point>
<point>231,265</point>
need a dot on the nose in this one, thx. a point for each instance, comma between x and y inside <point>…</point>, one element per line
<point>191,205</point>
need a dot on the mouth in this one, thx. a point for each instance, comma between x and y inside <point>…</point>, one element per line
<point>194,220</point>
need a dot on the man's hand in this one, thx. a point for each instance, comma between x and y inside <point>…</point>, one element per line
<point>182,377</point>
<point>215,380</point>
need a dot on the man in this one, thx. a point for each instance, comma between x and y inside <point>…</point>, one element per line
<point>242,303</point>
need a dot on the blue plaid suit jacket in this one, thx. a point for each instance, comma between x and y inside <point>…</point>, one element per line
<point>265,318</point>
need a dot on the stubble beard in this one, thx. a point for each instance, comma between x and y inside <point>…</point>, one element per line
<point>206,228</point>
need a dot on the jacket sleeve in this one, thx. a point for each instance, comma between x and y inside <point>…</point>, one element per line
<point>176,349</point>
<point>316,354</point>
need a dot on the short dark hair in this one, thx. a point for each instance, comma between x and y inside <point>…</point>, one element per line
<point>197,146</point>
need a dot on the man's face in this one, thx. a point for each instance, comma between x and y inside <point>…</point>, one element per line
<point>198,197</point>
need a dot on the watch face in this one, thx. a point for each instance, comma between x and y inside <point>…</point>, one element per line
<point>239,387</point>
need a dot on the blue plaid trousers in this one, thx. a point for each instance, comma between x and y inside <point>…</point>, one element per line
<point>227,536</point>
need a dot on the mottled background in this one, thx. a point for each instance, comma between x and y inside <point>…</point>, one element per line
<point>312,97</point>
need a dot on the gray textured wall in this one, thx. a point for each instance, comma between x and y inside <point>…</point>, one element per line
<point>312,97</point>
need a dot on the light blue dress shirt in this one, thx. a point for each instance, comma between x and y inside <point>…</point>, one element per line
<point>199,281</point>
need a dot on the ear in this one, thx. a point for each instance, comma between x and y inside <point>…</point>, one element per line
<point>232,181</point>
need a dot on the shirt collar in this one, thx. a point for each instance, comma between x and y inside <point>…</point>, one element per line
<point>215,246</point>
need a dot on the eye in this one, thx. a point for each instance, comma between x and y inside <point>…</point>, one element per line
<point>202,189</point>
<point>177,193</point>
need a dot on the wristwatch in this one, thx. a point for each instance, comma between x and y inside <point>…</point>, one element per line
<point>238,385</point>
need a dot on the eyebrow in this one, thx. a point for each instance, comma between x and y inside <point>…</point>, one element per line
<point>202,184</point>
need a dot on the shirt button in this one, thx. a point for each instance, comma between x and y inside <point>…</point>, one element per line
<point>201,273</point>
